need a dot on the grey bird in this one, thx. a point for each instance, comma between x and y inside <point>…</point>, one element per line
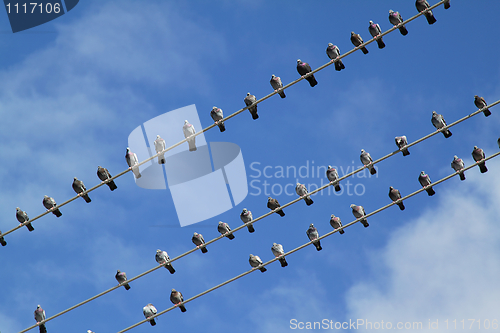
<point>176,298</point>
<point>50,204</point>
<point>333,53</point>
<point>246,216</point>
<point>122,277</point>
<point>198,240</point>
<point>40,316</point>
<point>401,143</point>
<point>478,155</point>
<point>457,164</point>
<point>423,5</point>
<point>149,311</point>
<point>447,4</point>
<point>336,223</point>
<point>2,240</point>
<point>80,189</point>
<point>274,204</point>
<point>224,228</point>
<point>439,122</point>
<point>255,262</point>
<point>303,68</point>
<point>395,196</point>
<point>425,181</point>
<point>356,40</point>
<point>375,31</point>
<point>163,259</point>
<point>188,131</point>
<point>160,145</point>
<point>301,191</point>
<point>396,19</point>
<point>277,85</point>
<point>105,177</point>
<point>367,160</point>
<point>480,103</point>
<point>278,252</point>
<point>313,235</point>
<point>23,217</point>
<point>249,100</point>
<point>132,162</point>
<point>333,176</point>
<point>217,116</point>
<point>359,211</point>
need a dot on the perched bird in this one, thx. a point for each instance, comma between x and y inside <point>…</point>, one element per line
<point>246,216</point>
<point>457,164</point>
<point>23,217</point>
<point>249,100</point>
<point>279,253</point>
<point>439,122</point>
<point>274,204</point>
<point>132,161</point>
<point>356,40</point>
<point>224,228</point>
<point>301,191</point>
<point>160,145</point>
<point>401,143</point>
<point>255,262</point>
<point>277,85</point>
<point>478,155</point>
<point>122,277</point>
<point>333,176</point>
<point>163,259</point>
<point>423,5</point>
<point>189,130</point>
<point>313,235</point>
<point>396,19</point>
<point>2,240</point>
<point>375,31</point>
<point>359,211</point>
<point>480,103</point>
<point>395,196</point>
<point>336,223</point>
<point>333,53</point>
<point>80,188</point>
<point>104,175</point>
<point>303,68</point>
<point>447,4</point>
<point>176,298</point>
<point>198,240</point>
<point>425,181</point>
<point>367,160</point>
<point>217,116</point>
<point>149,311</point>
<point>50,204</point>
<point>40,316</point>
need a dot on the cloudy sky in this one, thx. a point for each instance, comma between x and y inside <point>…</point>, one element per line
<point>72,90</point>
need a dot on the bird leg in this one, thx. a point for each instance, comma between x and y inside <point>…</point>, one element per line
<point>332,60</point>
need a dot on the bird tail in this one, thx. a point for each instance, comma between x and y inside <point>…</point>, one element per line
<point>222,127</point>
<point>318,246</point>
<point>262,269</point>
<point>309,201</point>
<point>86,198</point>
<point>446,5</point>
<point>203,249</point>
<point>152,322</point>
<point>447,133</point>
<point>192,145</point>
<point>373,170</point>
<point>2,241</point>
<point>282,94</point>
<point>43,329</point>
<point>341,232</point>
<point>182,307</point>
<point>112,185</point>
<point>230,236</point>
<point>170,268</point>
<point>30,227</point>
<point>401,206</point>
<point>364,50</point>
<point>250,228</point>
<point>430,17</point>
<point>406,152</point>
<point>487,112</point>
<point>430,191</point>
<point>403,30</point>
<point>339,65</point>
<point>136,172</point>
<point>253,111</point>
<point>365,223</point>
<point>312,80</point>
<point>337,188</point>
<point>281,213</point>
<point>462,176</point>
<point>283,262</point>
<point>57,213</point>
<point>482,167</point>
<point>380,43</point>
<point>127,287</point>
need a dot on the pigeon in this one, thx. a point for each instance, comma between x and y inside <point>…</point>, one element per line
<point>277,85</point>
<point>313,235</point>
<point>359,211</point>
<point>50,204</point>
<point>23,217</point>
<point>375,31</point>
<point>246,216</point>
<point>274,204</point>
<point>132,161</point>
<point>189,130</point>
<point>80,188</point>
<point>457,164</point>
<point>425,181</point>
<point>439,122</point>
<point>303,68</point>
<point>447,4</point>
<point>149,311</point>
<point>423,5</point>
<point>198,240</point>
<point>2,240</point>
<point>104,175</point>
<point>163,259</point>
<point>478,155</point>
<point>255,262</point>
<point>396,19</point>
<point>357,41</point>
<point>301,190</point>
<point>333,176</point>
<point>224,228</point>
<point>480,103</point>
<point>160,145</point>
<point>176,298</point>
<point>336,223</point>
<point>333,53</point>
<point>122,277</point>
<point>279,253</point>
<point>401,143</point>
<point>366,159</point>
<point>249,100</point>
<point>217,116</point>
<point>40,316</point>
<point>395,196</point>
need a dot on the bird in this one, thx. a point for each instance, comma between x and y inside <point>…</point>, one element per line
<point>255,262</point>
<point>2,240</point>
<point>333,53</point>
<point>478,155</point>
<point>249,100</point>
<point>498,142</point>
<point>277,85</point>
<point>336,223</point>
<point>163,259</point>
<point>395,196</point>
<point>274,204</point>
<point>375,31</point>
<point>160,145</point>
<point>367,160</point>
<point>189,130</point>
<point>176,298</point>
<point>278,252</point>
<point>40,316</point>
<point>122,277</point>
<point>301,191</point>
<point>50,204</point>
<point>224,228</point>
<point>303,68</point>
<point>89,331</point>
<point>396,19</point>
<point>401,143</point>
<point>23,217</point>
<point>359,211</point>
<point>356,40</point>
<point>246,216</point>
<point>447,4</point>
<point>457,164</point>
<point>217,116</point>
<point>480,103</point>
<point>425,181</point>
<point>132,161</point>
<point>80,189</point>
<point>149,311</point>
<point>104,176</point>
<point>423,5</point>
<point>313,235</point>
<point>333,176</point>
<point>198,240</point>
<point>439,122</point>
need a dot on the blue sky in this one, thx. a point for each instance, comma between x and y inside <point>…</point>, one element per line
<point>72,90</point>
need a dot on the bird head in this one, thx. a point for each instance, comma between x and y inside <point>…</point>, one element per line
<point>391,11</point>
<point>353,206</point>
<point>434,112</point>
<point>245,210</point>
<point>186,122</point>
<point>391,188</point>
<point>311,225</point>
<point>330,44</point>
<point>273,76</point>
<point>371,22</point>
<point>299,61</point>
